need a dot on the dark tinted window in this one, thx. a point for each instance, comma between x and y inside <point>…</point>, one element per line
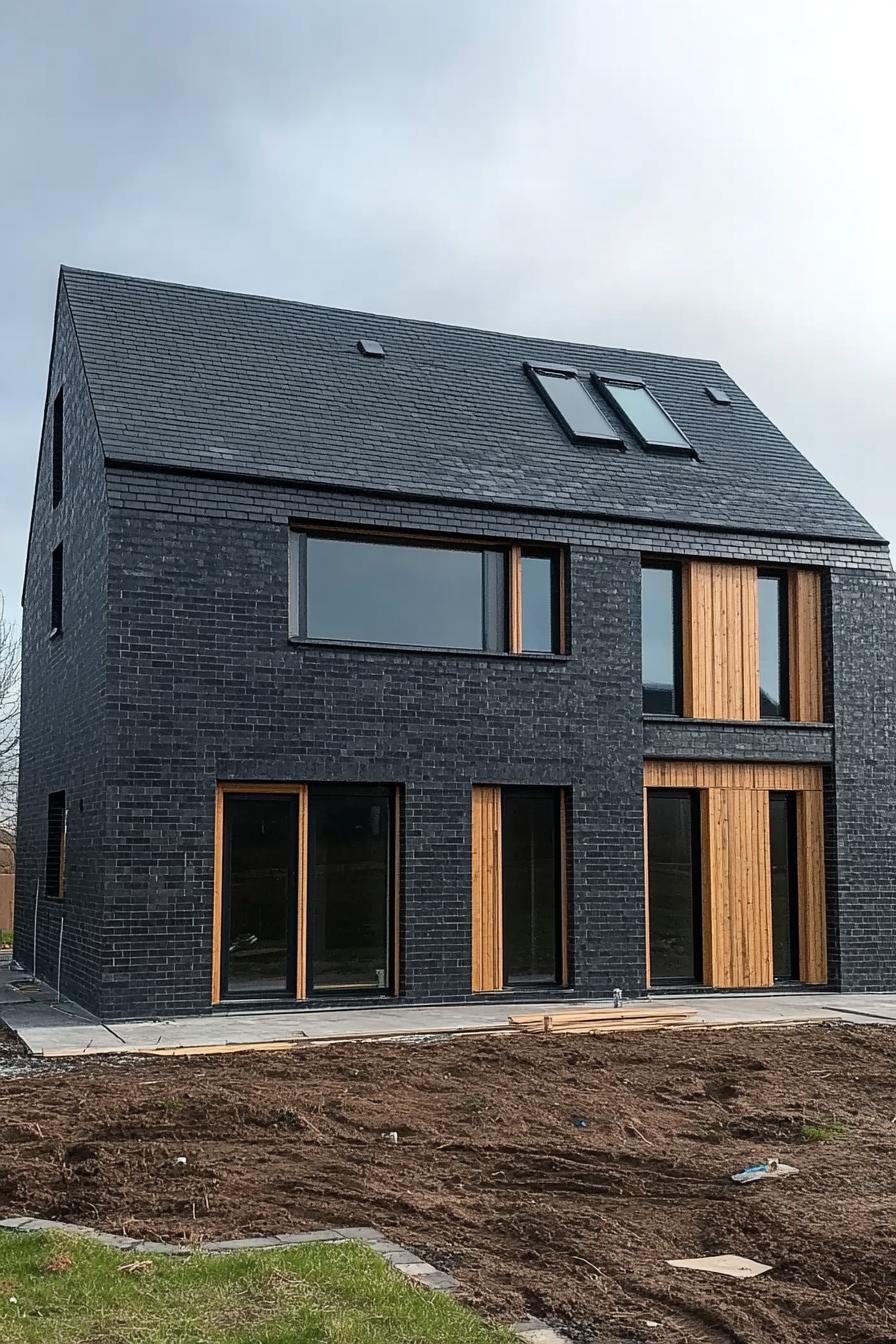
<point>54,882</point>
<point>58,427</point>
<point>645,415</point>
<point>531,885</point>
<point>573,405</point>
<point>386,593</point>
<point>349,889</point>
<point>541,614</point>
<point>673,879</point>
<point>56,590</point>
<point>773,656</point>
<point>260,893</point>
<point>660,639</point>
<point>785,916</point>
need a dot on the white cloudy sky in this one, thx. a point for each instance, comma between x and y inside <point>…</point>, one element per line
<point>699,176</point>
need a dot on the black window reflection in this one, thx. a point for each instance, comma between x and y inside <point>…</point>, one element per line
<point>673,879</point>
<point>388,593</point>
<point>773,646</point>
<point>661,639</point>
<point>350,889</point>
<point>541,606</point>
<point>530,828</point>
<point>785,907</point>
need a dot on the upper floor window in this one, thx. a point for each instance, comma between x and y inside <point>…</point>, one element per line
<point>661,638</point>
<point>645,416</point>
<point>424,594</point>
<point>58,446</point>
<point>572,404</point>
<point>774,691</point>
<point>56,573</point>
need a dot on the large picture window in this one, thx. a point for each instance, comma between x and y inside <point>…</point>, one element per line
<point>424,594</point>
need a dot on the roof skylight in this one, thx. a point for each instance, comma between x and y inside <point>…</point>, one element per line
<point>647,419</point>
<point>572,404</point>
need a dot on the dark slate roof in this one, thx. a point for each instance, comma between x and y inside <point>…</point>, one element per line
<point>199,379</point>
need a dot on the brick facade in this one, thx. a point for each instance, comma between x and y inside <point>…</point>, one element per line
<point>175,670</point>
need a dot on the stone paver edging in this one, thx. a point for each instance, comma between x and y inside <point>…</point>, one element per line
<point>531,1330</point>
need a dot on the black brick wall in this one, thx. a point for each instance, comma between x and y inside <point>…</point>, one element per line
<point>201,683</point>
<point>63,742</point>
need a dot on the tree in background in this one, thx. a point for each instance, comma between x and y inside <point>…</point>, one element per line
<point>9,719</point>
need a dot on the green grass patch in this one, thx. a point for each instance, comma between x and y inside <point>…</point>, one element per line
<point>69,1290</point>
<point>822,1133</point>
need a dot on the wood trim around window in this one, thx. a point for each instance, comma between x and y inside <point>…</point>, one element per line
<point>487,934</point>
<point>515,600</point>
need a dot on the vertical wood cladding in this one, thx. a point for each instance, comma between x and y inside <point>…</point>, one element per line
<point>720,615</point>
<point>805,646</point>
<point>720,642</point>
<point>487,930</point>
<point>736,865</point>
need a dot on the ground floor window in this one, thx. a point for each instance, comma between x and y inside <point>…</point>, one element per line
<point>519,905</point>
<point>673,876</point>
<point>307,881</point>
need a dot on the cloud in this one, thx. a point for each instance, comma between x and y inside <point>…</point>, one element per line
<point>699,177</point>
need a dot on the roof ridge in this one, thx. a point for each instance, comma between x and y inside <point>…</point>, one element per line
<point>428,322</point>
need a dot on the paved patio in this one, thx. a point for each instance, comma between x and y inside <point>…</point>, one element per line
<point>51,1027</point>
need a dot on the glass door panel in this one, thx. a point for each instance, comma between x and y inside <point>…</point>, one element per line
<point>785,905</point>
<point>260,894</point>
<point>349,889</point>
<point>530,838</point>
<point>673,876</point>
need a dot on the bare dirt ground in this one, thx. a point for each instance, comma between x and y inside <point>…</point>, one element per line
<point>492,1176</point>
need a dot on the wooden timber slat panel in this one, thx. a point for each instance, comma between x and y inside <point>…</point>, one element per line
<point>812,907</point>
<point>736,865</point>
<point>730,775</point>
<point>487,940</point>
<point>739,945</point>
<point>720,648</point>
<point>805,646</point>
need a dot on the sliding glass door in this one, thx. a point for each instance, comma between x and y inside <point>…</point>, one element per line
<point>307,891</point>
<point>673,881</point>
<point>350,856</point>
<point>259,894</point>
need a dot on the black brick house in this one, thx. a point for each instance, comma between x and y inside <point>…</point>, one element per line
<point>360,655</point>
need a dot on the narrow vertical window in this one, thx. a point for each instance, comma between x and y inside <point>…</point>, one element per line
<point>674,886</point>
<point>661,638</point>
<point>540,602</point>
<point>58,446</point>
<point>56,591</point>
<point>530,836</point>
<point>785,891</point>
<point>54,883</point>
<point>773,646</point>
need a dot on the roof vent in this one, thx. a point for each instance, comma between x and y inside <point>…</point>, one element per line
<point>372,349</point>
<point>718,395</point>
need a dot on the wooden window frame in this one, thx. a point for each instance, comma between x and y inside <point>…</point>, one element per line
<point>300,792</point>
<point>511,573</point>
